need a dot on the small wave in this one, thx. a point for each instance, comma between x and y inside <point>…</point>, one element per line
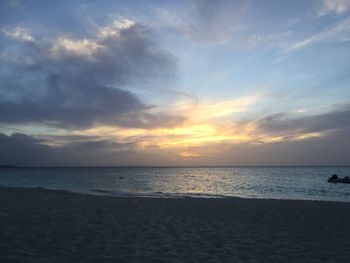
<point>153,194</point>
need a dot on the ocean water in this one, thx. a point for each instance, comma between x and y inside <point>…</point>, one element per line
<point>308,183</point>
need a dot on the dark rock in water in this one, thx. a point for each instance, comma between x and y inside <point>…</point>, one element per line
<point>120,177</point>
<point>335,179</point>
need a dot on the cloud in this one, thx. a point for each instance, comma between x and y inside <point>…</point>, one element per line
<point>20,149</point>
<point>206,131</point>
<point>113,30</point>
<point>65,46</point>
<point>72,82</point>
<point>214,21</point>
<point>273,40</point>
<point>334,6</point>
<point>19,33</point>
<point>23,150</point>
<point>333,149</point>
<point>278,139</point>
<point>79,47</point>
<point>209,110</point>
<point>338,32</point>
<point>206,22</point>
<point>284,127</point>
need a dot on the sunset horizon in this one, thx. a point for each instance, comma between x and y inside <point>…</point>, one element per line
<point>177,131</point>
<point>168,83</point>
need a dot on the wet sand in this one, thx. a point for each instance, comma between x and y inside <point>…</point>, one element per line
<point>40,225</point>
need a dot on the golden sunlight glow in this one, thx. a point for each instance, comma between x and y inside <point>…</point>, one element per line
<point>188,136</point>
<point>204,111</point>
<point>226,108</point>
<point>206,124</point>
<point>310,135</point>
<point>189,155</point>
<point>298,137</point>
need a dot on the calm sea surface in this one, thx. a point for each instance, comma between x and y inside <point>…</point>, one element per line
<point>250,182</point>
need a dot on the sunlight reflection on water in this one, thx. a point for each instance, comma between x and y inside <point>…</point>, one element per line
<point>260,182</point>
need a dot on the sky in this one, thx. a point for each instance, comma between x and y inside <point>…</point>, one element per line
<point>123,83</point>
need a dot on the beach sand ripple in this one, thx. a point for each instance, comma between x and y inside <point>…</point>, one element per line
<point>39,225</point>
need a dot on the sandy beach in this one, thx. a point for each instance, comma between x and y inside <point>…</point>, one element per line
<point>40,225</point>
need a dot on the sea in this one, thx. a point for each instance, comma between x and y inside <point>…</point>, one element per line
<point>306,183</point>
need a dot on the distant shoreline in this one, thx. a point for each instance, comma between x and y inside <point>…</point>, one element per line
<point>199,166</point>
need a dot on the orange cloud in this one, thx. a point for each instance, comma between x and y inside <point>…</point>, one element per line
<point>207,124</point>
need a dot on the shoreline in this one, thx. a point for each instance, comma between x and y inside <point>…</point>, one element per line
<point>39,225</point>
<point>161,195</point>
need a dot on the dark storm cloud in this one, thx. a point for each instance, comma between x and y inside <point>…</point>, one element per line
<point>23,150</point>
<point>80,82</point>
<point>20,149</point>
<point>98,146</point>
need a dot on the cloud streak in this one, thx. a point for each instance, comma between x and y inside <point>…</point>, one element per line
<point>338,32</point>
<point>206,22</point>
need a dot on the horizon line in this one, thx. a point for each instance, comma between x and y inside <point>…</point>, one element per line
<point>174,166</point>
